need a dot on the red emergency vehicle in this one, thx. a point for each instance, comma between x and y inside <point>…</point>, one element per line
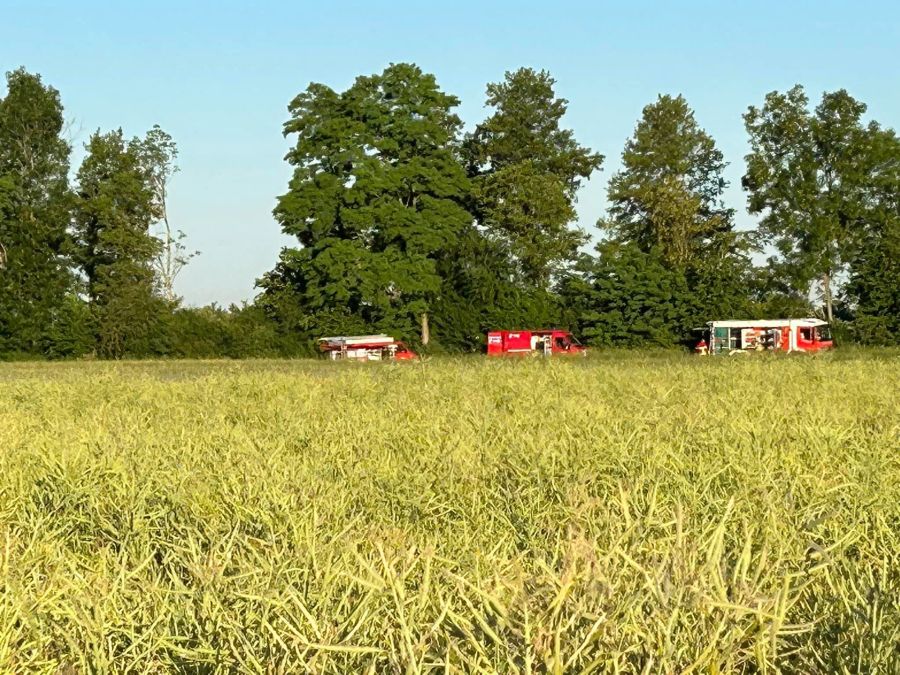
<point>784,335</point>
<point>365,348</point>
<point>532,342</point>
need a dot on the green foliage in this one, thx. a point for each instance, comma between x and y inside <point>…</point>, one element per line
<point>71,334</point>
<point>668,195</point>
<point>873,289</point>
<point>237,332</point>
<point>113,213</point>
<point>527,171</point>
<point>483,291</point>
<point>673,260</point>
<point>773,295</point>
<point>377,197</point>
<point>813,177</point>
<point>628,297</point>
<point>35,277</point>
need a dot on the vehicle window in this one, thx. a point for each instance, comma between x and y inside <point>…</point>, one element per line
<point>806,334</point>
<point>562,343</point>
<point>824,333</point>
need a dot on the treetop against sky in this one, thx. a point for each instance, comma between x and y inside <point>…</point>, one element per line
<point>218,77</point>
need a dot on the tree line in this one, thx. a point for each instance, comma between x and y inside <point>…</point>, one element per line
<point>409,225</point>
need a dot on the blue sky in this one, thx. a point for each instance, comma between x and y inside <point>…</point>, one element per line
<point>219,75</point>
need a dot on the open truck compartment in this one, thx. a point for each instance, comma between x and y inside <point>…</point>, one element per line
<point>782,335</point>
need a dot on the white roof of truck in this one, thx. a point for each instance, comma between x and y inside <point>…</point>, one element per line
<point>767,323</point>
<point>351,340</point>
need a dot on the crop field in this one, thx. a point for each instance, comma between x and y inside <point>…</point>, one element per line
<point>619,513</point>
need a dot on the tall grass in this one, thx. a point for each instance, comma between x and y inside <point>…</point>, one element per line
<point>594,515</point>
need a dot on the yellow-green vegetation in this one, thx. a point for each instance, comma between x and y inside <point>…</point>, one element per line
<point>625,514</point>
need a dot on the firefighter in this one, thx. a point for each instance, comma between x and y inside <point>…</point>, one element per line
<point>702,348</point>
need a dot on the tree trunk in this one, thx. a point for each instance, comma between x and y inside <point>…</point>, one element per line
<point>826,286</point>
<point>167,264</point>
<point>425,334</point>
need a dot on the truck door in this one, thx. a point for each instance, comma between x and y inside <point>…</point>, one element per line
<point>805,338</point>
<point>823,337</point>
<point>721,340</point>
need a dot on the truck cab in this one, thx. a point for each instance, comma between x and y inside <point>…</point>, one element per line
<point>814,338</point>
<point>563,342</point>
<point>402,352</point>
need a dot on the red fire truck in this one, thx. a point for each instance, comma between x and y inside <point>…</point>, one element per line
<point>365,348</point>
<point>532,342</point>
<point>785,335</point>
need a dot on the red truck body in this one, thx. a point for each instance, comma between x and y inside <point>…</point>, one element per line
<point>527,342</point>
<point>786,335</point>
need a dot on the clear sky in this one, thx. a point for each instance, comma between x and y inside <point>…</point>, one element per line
<point>219,75</point>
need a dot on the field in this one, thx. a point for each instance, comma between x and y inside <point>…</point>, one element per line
<point>622,513</point>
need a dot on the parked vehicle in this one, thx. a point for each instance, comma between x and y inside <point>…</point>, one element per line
<point>365,348</point>
<point>532,342</point>
<point>785,335</point>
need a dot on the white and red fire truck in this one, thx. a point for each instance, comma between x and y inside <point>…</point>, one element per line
<point>785,335</point>
<point>532,342</point>
<point>365,348</point>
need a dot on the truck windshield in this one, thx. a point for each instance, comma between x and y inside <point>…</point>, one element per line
<point>823,333</point>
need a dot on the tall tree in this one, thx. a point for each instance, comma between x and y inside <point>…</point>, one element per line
<point>808,174</point>
<point>672,256</point>
<point>873,288</point>
<point>376,199</point>
<point>35,273</point>
<point>114,211</point>
<point>527,171</point>
<point>669,193</point>
<point>159,155</point>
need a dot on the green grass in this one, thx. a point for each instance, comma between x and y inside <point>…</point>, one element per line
<point>621,513</point>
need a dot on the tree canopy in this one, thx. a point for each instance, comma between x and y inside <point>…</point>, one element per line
<point>113,213</point>
<point>34,214</point>
<point>404,224</point>
<point>810,176</point>
<point>377,197</point>
<point>527,170</point>
<point>668,194</point>
<point>672,257</point>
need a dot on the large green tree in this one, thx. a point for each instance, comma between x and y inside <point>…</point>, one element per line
<point>873,288</point>
<point>669,193</point>
<point>35,274</point>
<point>672,258</point>
<point>377,198</point>
<point>810,176</point>
<point>527,170</point>
<point>114,211</point>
